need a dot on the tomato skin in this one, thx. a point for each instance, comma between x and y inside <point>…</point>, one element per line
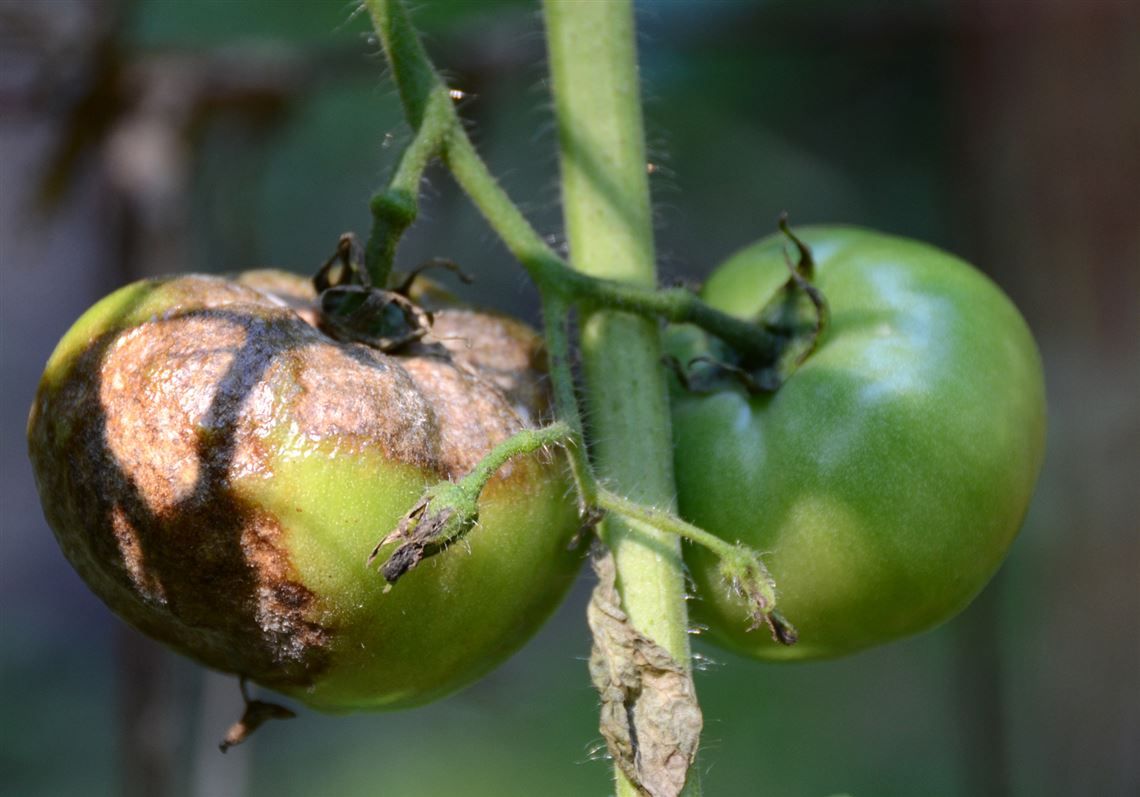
<point>218,470</point>
<point>886,479</point>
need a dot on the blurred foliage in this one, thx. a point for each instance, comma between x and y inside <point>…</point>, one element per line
<point>205,23</point>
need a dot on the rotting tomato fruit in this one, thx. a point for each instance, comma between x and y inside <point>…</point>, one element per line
<point>885,479</point>
<point>217,469</point>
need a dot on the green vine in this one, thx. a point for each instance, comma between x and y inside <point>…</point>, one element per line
<point>438,132</point>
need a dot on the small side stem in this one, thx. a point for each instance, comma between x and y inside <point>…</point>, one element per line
<point>525,441</point>
<point>432,115</point>
<point>554,315</point>
<point>412,71</point>
<point>663,520</point>
<point>395,208</point>
<point>740,566</point>
<point>676,305</point>
<point>446,511</point>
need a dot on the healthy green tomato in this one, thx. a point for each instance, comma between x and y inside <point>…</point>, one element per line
<point>217,469</point>
<point>885,480</point>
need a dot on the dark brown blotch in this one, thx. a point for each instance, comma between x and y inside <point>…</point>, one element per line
<point>140,445</point>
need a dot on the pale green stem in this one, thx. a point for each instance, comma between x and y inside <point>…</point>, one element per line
<point>605,195</point>
<point>524,441</point>
<point>395,208</point>
<point>438,131</point>
<point>555,310</point>
<point>664,520</point>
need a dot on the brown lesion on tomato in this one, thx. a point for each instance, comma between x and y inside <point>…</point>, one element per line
<point>135,450</point>
<point>470,418</point>
<point>139,443</point>
<point>460,372</point>
<point>507,353</point>
<point>131,554</point>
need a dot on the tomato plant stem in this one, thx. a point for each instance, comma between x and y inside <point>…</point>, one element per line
<point>395,208</point>
<point>605,193</point>
<point>429,112</point>
<point>523,442</point>
<point>555,311</point>
<point>437,131</point>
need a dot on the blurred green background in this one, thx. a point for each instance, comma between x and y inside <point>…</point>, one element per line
<point>215,135</point>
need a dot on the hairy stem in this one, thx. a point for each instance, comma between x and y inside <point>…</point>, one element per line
<point>525,441</point>
<point>554,314</point>
<point>677,305</point>
<point>416,79</point>
<point>740,566</point>
<point>438,131</point>
<point>427,107</point>
<point>395,208</point>
<point>605,193</point>
<point>664,521</point>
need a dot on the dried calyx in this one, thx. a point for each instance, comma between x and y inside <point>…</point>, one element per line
<point>795,316</point>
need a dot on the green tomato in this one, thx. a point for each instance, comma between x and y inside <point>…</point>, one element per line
<point>218,469</point>
<point>885,480</point>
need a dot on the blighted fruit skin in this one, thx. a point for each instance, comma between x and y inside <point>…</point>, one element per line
<point>885,480</point>
<point>217,469</point>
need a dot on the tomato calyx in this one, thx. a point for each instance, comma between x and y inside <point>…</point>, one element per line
<point>796,316</point>
<point>255,714</point>
<point>752,583</point>
<point>353,310</point>
<point>444,513</point>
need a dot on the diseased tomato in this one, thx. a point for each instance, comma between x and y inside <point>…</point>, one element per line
<point>887,477</point>
<point>217,469</point>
